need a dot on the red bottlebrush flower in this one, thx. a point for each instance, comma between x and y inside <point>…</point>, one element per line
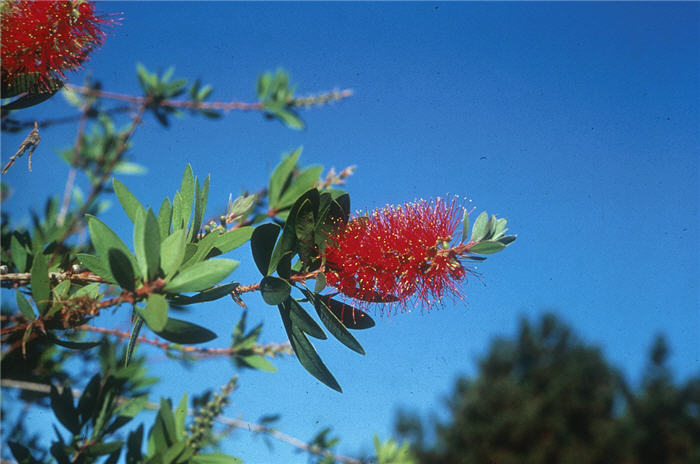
<point>398,254</point>
<point>47,38</point>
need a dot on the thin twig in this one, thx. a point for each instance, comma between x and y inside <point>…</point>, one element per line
<point>29,143</point>
<point>68,189</point>
<point>272,349</point>
<point>231,422</point>
<point>318,99</point>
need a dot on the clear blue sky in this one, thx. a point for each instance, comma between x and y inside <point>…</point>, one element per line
<point>578,122</point>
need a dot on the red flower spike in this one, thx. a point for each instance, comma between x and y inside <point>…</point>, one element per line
<point>398,254</point>
<point>47,38</point>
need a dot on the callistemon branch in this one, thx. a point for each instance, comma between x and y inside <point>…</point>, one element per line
<point>311,100</point>
<point>229,422</point>
<point>271,350</point>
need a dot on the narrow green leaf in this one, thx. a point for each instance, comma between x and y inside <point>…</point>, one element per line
<point>180,415</point>
<point>301,319</point>
<point>155,313</point>
<point>178,218</point>
<point>500,228</point>
<point>147,243</point>
<point>274,290</point>
<point>132,340</point>
<point>198,211</point>
<point>508,239</point>
<point>166,414</point>
<point>307,179</point>
<point>23,456</point>
<point>103,238</point>
<point>203,247</point>
<point>127,199</point>
<point>262,243</point>
<point>490,228</point>
<point>479,228</point>
<point>212,294</point>
<point>465,226</point>
<point>334,325</point>
<point>280,176</point>
<point>88,399</point>
<point>352,318</point>
<point>62,405</point>
<point>187,192</point>
<point>172,251</point>
<point>96,265</point>
<point>306,354</point>
<point>165,214</point>
<point>41,287</point>
<point>25,307</point>
<point>320,283</point>
<point>121,269</point>
<point>487,247</point>
<point>258,362</point>
<point>76,345</point>
<point>304,230</point>
<point>234,238</point>
<point>201,276</point>
<point>187,333</point>
<point>90,291</point>
<point>129,168</point>
<point>290,118</point>
<point>100,449</point>
<point>215,458</point>
<point>19,254</point>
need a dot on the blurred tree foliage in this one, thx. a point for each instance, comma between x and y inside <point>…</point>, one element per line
<point>544,396</point>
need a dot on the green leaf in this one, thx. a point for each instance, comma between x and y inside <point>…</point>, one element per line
<point>23,456</point>
<point>280,176</point>
<point>234,238</point>
<point>166,415</point>
<point>19,254</point>
<point>132,340</point>
<point>27,100</point>
<point>508,239</point>
<point>480,227</point>
<point>211,294</point>
<point>274,290</point>
<point>187,333</point>
<point>352,318</point>
<point>147,243</point>
<point>187,192</point>
<point>465,226</point>
<point>258,362</point>
<point>302,320</point>
<point>178,218</point>
<point>215,458</point>
<point>165,214</point>
<point>304,229</point>
<point>41,287</point>
<point>25,307</point>
<point>172,251</point>
<point>88,399</point>
<point>155,313</point>
<point>203,247</point>
<point>201,276</point>
<point>287,243</point>
<point>200,205</point>
<point>96,265</point>
<point>304,181</point>
<point>121,269</point>
<point>62,405</point>
<point>103,238</point>
<point>334,325</point>
<point>76,345</point>
<point>500,228</point>
<point>306,354</point>
<point>100,449</point>
<point>262,243</point>
<point>129,168</point>
<point>90,291</point>
<point>487,247</point>
<point>127,199</point>
<point>180,415</point>
<point>320,283</point>
<point>290,118</point>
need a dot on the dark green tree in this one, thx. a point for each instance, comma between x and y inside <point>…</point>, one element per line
<point>547,397</point>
